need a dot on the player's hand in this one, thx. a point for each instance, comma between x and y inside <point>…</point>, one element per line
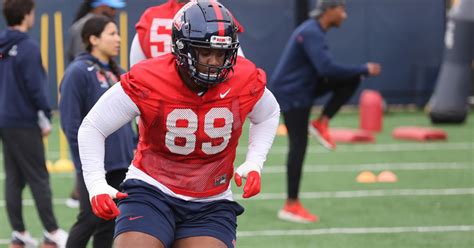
<point>102,202</point>
<point>374,69</point>
<point>251,172</point>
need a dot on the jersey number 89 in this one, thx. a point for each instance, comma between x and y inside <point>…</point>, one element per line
<point>188,132</point>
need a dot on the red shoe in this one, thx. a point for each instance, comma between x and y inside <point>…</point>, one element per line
<point>320,129</point>
<point>295,212</point>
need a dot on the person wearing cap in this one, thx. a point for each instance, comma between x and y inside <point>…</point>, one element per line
<point>306,70</point>
<point>87,10</point>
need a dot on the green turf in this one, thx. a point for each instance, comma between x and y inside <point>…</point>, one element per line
<point>387,211</point>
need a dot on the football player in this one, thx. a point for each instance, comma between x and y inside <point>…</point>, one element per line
<point>153,37</point>
<point>192,105</point>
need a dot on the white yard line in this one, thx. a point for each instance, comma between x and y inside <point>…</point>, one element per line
<point>405,147</point>
<point>342,168</point>
<point>327,195</point>
<point>378,166</point>
<point>409,146</point>
<point>355,230</point>
<point>364,193</point>
<point>343,230</point>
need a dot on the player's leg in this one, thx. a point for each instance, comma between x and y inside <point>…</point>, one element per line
<point>30,156</point>
<point>145,220</point>
<point>199,242</point>
<point>14,183</point>
<point>296,121</point>
<point>206,224</point>
<point>342,91</point>
<point>137,240</point>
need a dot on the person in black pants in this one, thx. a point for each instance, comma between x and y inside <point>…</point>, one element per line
<point>86,79</point>
<point>22,98</point>
<point>306,71</point>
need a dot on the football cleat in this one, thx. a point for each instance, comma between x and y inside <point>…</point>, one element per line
<point>320,129</point>
<point>295,212</point>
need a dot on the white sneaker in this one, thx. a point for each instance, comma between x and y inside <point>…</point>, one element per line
<point>72,203</point>
<point>59,238</point>
<point>24,239</point>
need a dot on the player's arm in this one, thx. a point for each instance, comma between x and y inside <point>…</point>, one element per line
<point>34,79</point>
<point>113,110</point>
<point>136,52</point>
<point>264,120</point>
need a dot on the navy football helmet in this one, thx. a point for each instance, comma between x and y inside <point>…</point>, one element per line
<point>208,25</point>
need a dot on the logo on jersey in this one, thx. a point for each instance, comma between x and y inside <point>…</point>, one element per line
<point>220,180</point>
<point>222,95</point>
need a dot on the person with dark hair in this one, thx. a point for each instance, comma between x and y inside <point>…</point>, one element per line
<point>192,106</point>
<point>87,10</point>
<point>86,79</point>
<point>306,70</point>
<point>153,31</point>
<point>22,94</point>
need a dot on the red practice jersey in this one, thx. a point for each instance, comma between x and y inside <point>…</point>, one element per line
<point>188,142</point>
<point>154,28</point>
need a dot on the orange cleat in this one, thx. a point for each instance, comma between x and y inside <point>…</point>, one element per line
<point>320,129</point>
<point>295,212</point>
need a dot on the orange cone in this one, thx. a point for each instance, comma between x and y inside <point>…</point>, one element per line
<point>282,131</point>
<point>366,177</point>
<point>387,177</point>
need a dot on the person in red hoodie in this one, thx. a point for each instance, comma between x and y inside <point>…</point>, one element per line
<point>153,37</point>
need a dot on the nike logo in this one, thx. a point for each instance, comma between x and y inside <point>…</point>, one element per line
<point>222,95</point>
<point>90,68</point>
<point>135,217</point>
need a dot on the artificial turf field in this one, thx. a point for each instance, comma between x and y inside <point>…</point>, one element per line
<point>431,205</point>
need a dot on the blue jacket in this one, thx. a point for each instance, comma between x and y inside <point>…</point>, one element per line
<point>82,85</point>
<point>22,81</point>
<point>305,59</point>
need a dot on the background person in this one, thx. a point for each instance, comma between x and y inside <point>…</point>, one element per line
<point>22,95</point>
<point>86,79</point>
<point>87,10</point>
<point>306,70</point>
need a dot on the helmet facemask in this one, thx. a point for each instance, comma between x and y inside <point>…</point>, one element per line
<point>208,75</point>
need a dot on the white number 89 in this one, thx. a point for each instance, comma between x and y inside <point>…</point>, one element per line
<point>188,132</point>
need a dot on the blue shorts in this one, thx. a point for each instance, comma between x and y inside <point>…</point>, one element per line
<point>150,211</point>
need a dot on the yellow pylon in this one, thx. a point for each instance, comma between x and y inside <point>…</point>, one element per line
<point>63,164</point>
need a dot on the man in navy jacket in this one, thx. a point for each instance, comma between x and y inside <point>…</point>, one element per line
<point>305,71</point>
<point>22,96</point>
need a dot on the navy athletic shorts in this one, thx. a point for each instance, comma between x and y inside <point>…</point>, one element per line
<point>150,211</point>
